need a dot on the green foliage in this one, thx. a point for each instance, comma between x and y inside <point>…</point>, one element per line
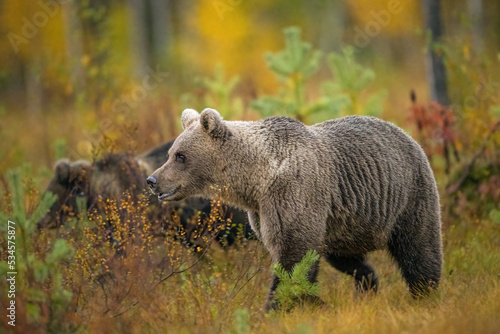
<point>346,94</point>
<point>293,66</point>
<point>495,216</point>
<point>304,329</point>
<point>218,93</point>
<point>474,93</point>
<point>298,59</point>
<point>295,285</point>
<point>60,148</point>
<point>47,270</point>
<point>241,323</point>
<point>495,111</point>
<point>351,83</point>
<point>26,225</point>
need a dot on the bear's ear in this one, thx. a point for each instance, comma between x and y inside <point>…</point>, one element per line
<point>62,169</point>
<point>79,170</point>
<point>188,116</point>
<point>211,122</point>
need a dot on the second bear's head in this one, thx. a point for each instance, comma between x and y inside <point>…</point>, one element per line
<point>80,181</point>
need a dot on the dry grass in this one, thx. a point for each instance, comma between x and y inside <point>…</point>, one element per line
<point>161,286</point>
<point>206,298</point>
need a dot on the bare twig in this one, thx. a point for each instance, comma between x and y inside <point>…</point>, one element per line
<point>451,189</point>
<point>172,273</point>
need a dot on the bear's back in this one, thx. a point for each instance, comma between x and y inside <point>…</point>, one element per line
<point>370,136</point>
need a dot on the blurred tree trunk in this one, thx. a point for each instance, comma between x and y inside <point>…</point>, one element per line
<point>435,66</point>
<point>74,45</point>
<point>34,91</point>
<point>138,37</point>
<point>161,27</point>
<point>475,13</point>
<point>331,16</point>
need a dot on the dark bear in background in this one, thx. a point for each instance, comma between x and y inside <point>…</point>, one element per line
<point>109,177</point>
<point>115,174</point>
<point>344,187</point>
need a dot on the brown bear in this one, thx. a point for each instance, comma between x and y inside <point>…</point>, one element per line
<point>108,177</point>
<point>344,187</point>
<point>115,174</point>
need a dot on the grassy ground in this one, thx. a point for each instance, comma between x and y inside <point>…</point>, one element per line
<point>161,286</point>
<point>225,291</point>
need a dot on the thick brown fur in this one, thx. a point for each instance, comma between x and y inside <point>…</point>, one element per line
<point>344,187</point>
<point>108,178</point>
<point>118,174</point>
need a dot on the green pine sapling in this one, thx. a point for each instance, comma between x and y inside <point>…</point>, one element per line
<point>295,285</point>
<point>39,276</point>
<point>346,94</point>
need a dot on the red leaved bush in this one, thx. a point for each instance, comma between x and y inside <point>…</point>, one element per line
<point>435,126</point>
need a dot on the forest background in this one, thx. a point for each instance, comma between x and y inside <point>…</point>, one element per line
<point>81,79</point>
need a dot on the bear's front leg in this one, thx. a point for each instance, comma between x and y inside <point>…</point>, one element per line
<point>254,220</point>
<point>288,236</point>
<point>273,304</point>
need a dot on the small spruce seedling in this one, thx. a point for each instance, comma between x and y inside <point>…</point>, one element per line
<point>295,285</point>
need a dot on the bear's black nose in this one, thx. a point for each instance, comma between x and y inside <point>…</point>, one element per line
<point>151,181</point>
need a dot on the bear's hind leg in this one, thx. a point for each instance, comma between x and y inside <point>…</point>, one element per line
<point>419,258</point>
<point>364,276</point>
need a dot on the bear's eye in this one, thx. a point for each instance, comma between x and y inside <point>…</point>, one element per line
<point>78,192</point>
<point>179,157</point>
